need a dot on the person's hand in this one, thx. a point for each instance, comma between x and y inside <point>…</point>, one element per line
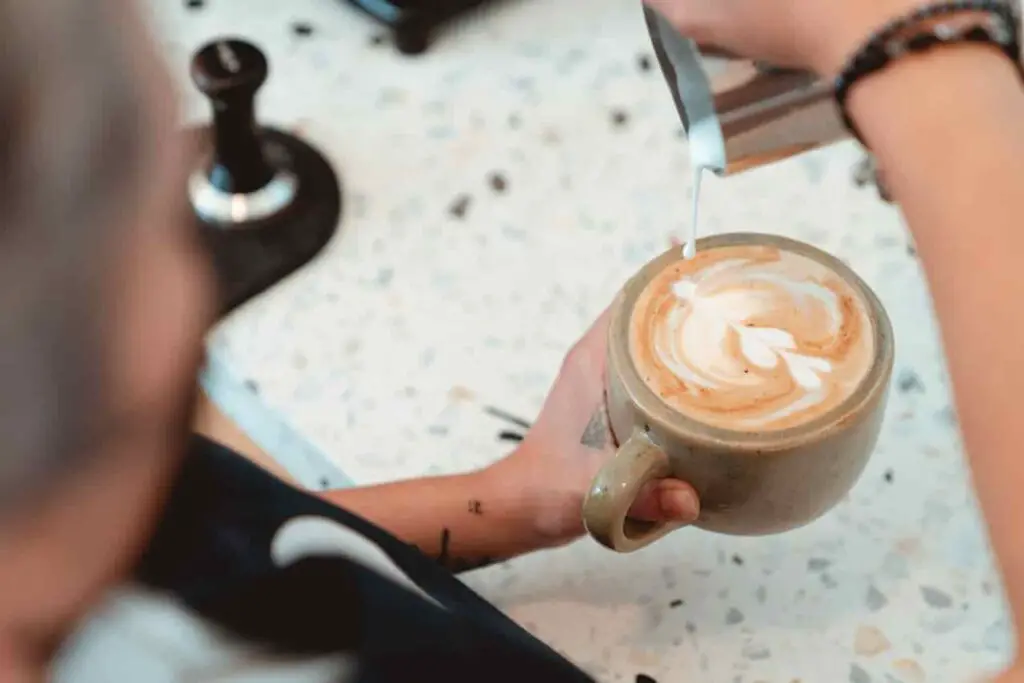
<point>814,34</point>
<point>570,441</point>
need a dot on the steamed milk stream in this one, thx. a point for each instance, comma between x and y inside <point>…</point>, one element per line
<point>706,153</point>
<point>690,246</point>
<point>751,338</point>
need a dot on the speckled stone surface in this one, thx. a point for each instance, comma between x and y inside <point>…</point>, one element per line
<point>500,189</point>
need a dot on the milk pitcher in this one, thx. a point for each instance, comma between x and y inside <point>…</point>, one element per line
<point>740,114</point>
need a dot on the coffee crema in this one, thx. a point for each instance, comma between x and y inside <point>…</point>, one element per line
<point>751,338</point>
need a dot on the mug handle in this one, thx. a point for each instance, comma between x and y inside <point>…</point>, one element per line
<point>616,486</point>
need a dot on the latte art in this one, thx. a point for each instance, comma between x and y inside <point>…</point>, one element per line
<point>751,337</point>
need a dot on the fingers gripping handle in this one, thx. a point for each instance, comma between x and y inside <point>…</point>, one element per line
<point>616,486</point>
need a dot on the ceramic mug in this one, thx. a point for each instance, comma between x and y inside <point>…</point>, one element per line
<point>749,482</point>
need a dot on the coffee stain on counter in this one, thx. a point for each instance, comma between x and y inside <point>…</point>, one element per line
<point>909,547</point>
<point>869,641</point>
<point>909,670</point>
<point>460,393</point>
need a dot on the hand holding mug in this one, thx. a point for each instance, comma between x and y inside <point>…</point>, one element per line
<point>741,392</point>
<point>571,441</point>
<point>757,372</point>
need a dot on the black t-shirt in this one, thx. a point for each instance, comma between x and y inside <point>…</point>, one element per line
<point>281,576</point>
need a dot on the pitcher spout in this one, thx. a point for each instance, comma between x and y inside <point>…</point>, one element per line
<point>739,114</point>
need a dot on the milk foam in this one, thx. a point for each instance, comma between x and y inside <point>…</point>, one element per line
<point>754,338</point>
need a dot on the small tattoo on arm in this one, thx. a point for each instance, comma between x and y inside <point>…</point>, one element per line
<point>446,538</point>
<point>458,564</point>
<point>476,507</point>
<point>597,434</point>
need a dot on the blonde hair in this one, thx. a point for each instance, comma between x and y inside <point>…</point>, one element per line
<point>73,150</point>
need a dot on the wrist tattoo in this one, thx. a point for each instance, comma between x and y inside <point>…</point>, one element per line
<point>476,507</point>
<point>597,434</point>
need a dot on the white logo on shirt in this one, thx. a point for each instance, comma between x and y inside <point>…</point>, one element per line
<point>307,536</point>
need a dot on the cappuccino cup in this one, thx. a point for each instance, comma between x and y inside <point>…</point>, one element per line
<point>757,371</point>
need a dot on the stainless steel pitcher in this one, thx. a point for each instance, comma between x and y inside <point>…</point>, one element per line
<point>738,113</point>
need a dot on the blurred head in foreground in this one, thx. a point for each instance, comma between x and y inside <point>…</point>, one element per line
<point>104,295</point>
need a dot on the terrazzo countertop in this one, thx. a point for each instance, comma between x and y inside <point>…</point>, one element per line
<point>498,191</point>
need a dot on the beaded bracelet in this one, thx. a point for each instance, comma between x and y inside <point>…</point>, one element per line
<point>1001,29</point>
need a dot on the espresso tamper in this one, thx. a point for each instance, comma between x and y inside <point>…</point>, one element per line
<point>265,201</point>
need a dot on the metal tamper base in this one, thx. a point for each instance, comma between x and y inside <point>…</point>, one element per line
<point>265,201</point>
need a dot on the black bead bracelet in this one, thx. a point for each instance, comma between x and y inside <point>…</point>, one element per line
<point>1000,29</point>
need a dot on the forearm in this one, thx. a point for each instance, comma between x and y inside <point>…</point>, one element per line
<point>464,520</point>
<point>947,129</point>
<point>1015,675</point>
